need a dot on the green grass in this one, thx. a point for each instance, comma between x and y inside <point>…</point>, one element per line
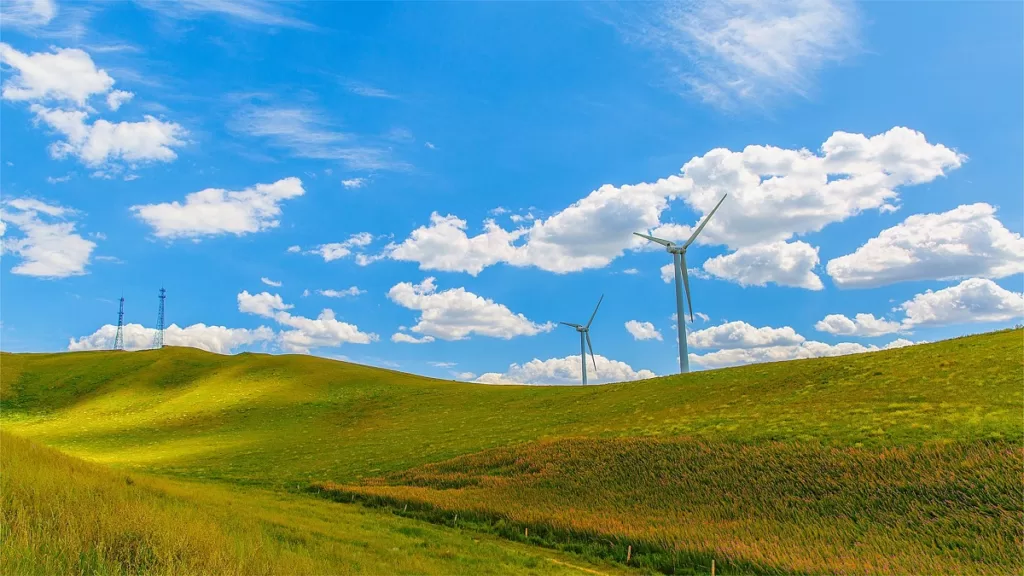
<point>286,422</point>
<point>61,515</point>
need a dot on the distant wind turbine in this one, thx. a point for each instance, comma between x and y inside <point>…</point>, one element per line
<point>682,282</point>
<point>585,339</point>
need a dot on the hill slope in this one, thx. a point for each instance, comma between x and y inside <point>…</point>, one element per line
<point>898,461</point>
<point>286,420</point>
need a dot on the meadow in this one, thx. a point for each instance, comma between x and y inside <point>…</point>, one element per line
<point>891,462</point>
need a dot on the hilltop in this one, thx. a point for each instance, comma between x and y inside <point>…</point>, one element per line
<point>742,438</point>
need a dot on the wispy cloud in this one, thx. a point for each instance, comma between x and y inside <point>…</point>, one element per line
<point>739,52</point>
<point>362,89</point>
<point>308,134</point>
<point>259,12</point>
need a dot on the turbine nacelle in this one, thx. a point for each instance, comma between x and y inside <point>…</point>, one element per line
<point>584,331</point>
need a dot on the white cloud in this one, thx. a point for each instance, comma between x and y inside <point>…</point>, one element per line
<point>270,282</point>
<point>58,180</point>
<point>305,293</point>
<point>964,242</point>
<point>860,325</point>
<point>407,339</point>
<point>69,77</point>
<point>308,135</point>
<point>65,74</point>
<point>260,12</point>
<point>307,333</point>
<point>807,349</point>
<point>263,304</point>
<point>704,317</point>
<point>430,145</point>
<point>362,89</point>
<point>354,183</point>
<point>48,245</point>
<point>118,97</point>
<point>455,314</point>
<point>774,195</point>
<point>324,331</point>
<point>630,271</point>
<point>642,330</point>
<point>339,250</point>
<point>216,211</point>
<point>464,376</point>
<point>350,291</point>
<point>565,371</point>
<point>443,364</point>
<point>104,142</point>
<point>784,263</point>
<point>899,343</point>
<point>973,300</point>
<point>294,249</point>
<point>210,338</point>
<point>740,335</point>
<point>28,13</point>
<point>739,52</point>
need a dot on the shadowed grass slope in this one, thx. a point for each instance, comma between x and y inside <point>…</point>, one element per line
<point>61,515</point>
<point>937,508</point>
<point>290,420</point>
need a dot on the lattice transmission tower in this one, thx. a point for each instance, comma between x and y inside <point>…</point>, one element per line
<point>119,338</point>
<point>158,339</point>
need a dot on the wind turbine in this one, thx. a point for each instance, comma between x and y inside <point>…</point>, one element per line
<point>585,339</point>
<point>679,258</point>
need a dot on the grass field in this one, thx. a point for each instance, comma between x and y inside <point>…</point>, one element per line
<point>759,466</point>
<point>65,516</point>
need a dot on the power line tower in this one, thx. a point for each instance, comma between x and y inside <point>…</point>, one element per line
<point>158,339</point>
<point>119,338</point>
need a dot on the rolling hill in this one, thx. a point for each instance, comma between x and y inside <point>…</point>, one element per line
<point>889,462</point>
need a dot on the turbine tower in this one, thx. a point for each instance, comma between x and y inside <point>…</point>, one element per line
<point>682,282</point>
<point>158,338</point>
<point>585,339</point>
<point>119,337</point>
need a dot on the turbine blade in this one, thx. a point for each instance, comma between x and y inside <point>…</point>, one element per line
<point>569,324</point>
<point>594,360</point>
<point>686,283</point>
<point>595,311</point>
<point>653,239</point>
<point>703,224</point>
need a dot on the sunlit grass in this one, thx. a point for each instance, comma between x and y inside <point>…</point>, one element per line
<point>61,515</point>
<point>286,422</point>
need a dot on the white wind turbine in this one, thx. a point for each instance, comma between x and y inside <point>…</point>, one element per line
<point>682,282</point>
<point>585,338</point>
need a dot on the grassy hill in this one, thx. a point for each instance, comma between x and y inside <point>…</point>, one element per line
<point>759,466</point>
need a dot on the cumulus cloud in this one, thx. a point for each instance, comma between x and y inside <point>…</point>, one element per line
<point>455,314</point>
<point>65,74</point>
<point>973,300</point>
<point>350,291</point>
<point>47,243</point>
<point>217,339</point>
<point>807,349</point>
<point>774,195</point>
<point>216,211</point>
<point>307,333</point>
<point>566,371</point>
<point>642,330</point>
<point>270,282</point>
<point>860,325</point>
<point>967,241</point>
<point>69,78</point>
<point>737,335</point>
<point>118,97</point>
<point>339,250</point>
<point>783,263</point>
<point>407,339</point>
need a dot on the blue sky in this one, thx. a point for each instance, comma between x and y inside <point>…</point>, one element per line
<point>431,186</point>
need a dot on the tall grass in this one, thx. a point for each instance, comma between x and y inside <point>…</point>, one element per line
<point>942,508</point>
<point>60,515</point>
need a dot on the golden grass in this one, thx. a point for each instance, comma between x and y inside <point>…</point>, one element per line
<point>942,508</point>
